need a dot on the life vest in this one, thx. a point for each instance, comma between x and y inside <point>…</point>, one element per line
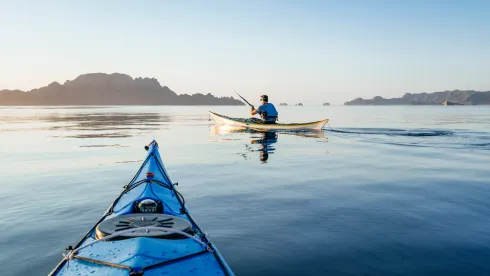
<point>267,118</point>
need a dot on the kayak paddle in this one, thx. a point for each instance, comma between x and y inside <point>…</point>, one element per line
<point>245,100</point>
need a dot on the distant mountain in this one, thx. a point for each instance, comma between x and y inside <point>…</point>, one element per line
<point>108,89</point>
<point>458,97</point>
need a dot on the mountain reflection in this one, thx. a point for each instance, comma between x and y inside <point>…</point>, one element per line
<point>88,124</point>
<point>107,125</point>
<point>111,121</point>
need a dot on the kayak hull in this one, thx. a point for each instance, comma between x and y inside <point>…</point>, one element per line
<point>151,255</point>
<point>247,123</point>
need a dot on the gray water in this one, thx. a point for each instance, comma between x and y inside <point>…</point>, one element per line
<point>387,191</point>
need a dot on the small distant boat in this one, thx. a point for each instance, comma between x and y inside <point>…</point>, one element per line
<point>450,103</point>
<point>248,123</point>
<point>283,104</point>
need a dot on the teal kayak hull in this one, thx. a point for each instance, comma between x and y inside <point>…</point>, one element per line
<point>144,247</point>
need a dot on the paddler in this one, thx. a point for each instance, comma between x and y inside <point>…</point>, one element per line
<point>266,110</point>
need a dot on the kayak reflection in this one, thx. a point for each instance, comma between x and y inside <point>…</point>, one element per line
<point>263,142</point>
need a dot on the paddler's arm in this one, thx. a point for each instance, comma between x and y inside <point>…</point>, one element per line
<point>253,111</point>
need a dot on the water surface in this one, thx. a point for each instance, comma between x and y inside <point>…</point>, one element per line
<point>381,191</point>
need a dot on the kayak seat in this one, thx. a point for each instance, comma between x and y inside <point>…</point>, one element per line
<point>140,220</point>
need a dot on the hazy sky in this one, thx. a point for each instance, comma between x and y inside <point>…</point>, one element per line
<point>295,51</point>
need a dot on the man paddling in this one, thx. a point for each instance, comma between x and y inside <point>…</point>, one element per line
<point>266,110</point>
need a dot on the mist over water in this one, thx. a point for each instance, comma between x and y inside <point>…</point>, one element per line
<point>380,191</point>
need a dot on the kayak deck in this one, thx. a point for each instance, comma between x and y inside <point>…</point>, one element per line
<point>248,123</point>
<point>141,245</point>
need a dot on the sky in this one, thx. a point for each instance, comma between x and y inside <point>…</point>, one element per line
<point>293,51</point>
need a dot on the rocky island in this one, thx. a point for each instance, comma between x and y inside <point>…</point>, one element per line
<point>455,97</point>
<point>109,89</point>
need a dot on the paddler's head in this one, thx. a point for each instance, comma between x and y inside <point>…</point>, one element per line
<point>264,155</point>
<point>264,98</point>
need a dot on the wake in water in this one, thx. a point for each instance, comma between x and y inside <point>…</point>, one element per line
<point>395,132</point>
<point>418,137</point>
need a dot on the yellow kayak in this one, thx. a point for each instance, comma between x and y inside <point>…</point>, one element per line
<point>248,123</point>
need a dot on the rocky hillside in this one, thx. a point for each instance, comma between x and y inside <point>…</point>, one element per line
<point>108,89</point>
<point>466,97</point>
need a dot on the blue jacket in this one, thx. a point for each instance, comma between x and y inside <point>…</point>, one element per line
<point>268,112</point>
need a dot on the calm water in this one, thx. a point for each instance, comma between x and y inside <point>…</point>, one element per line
<point>387,191</point>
